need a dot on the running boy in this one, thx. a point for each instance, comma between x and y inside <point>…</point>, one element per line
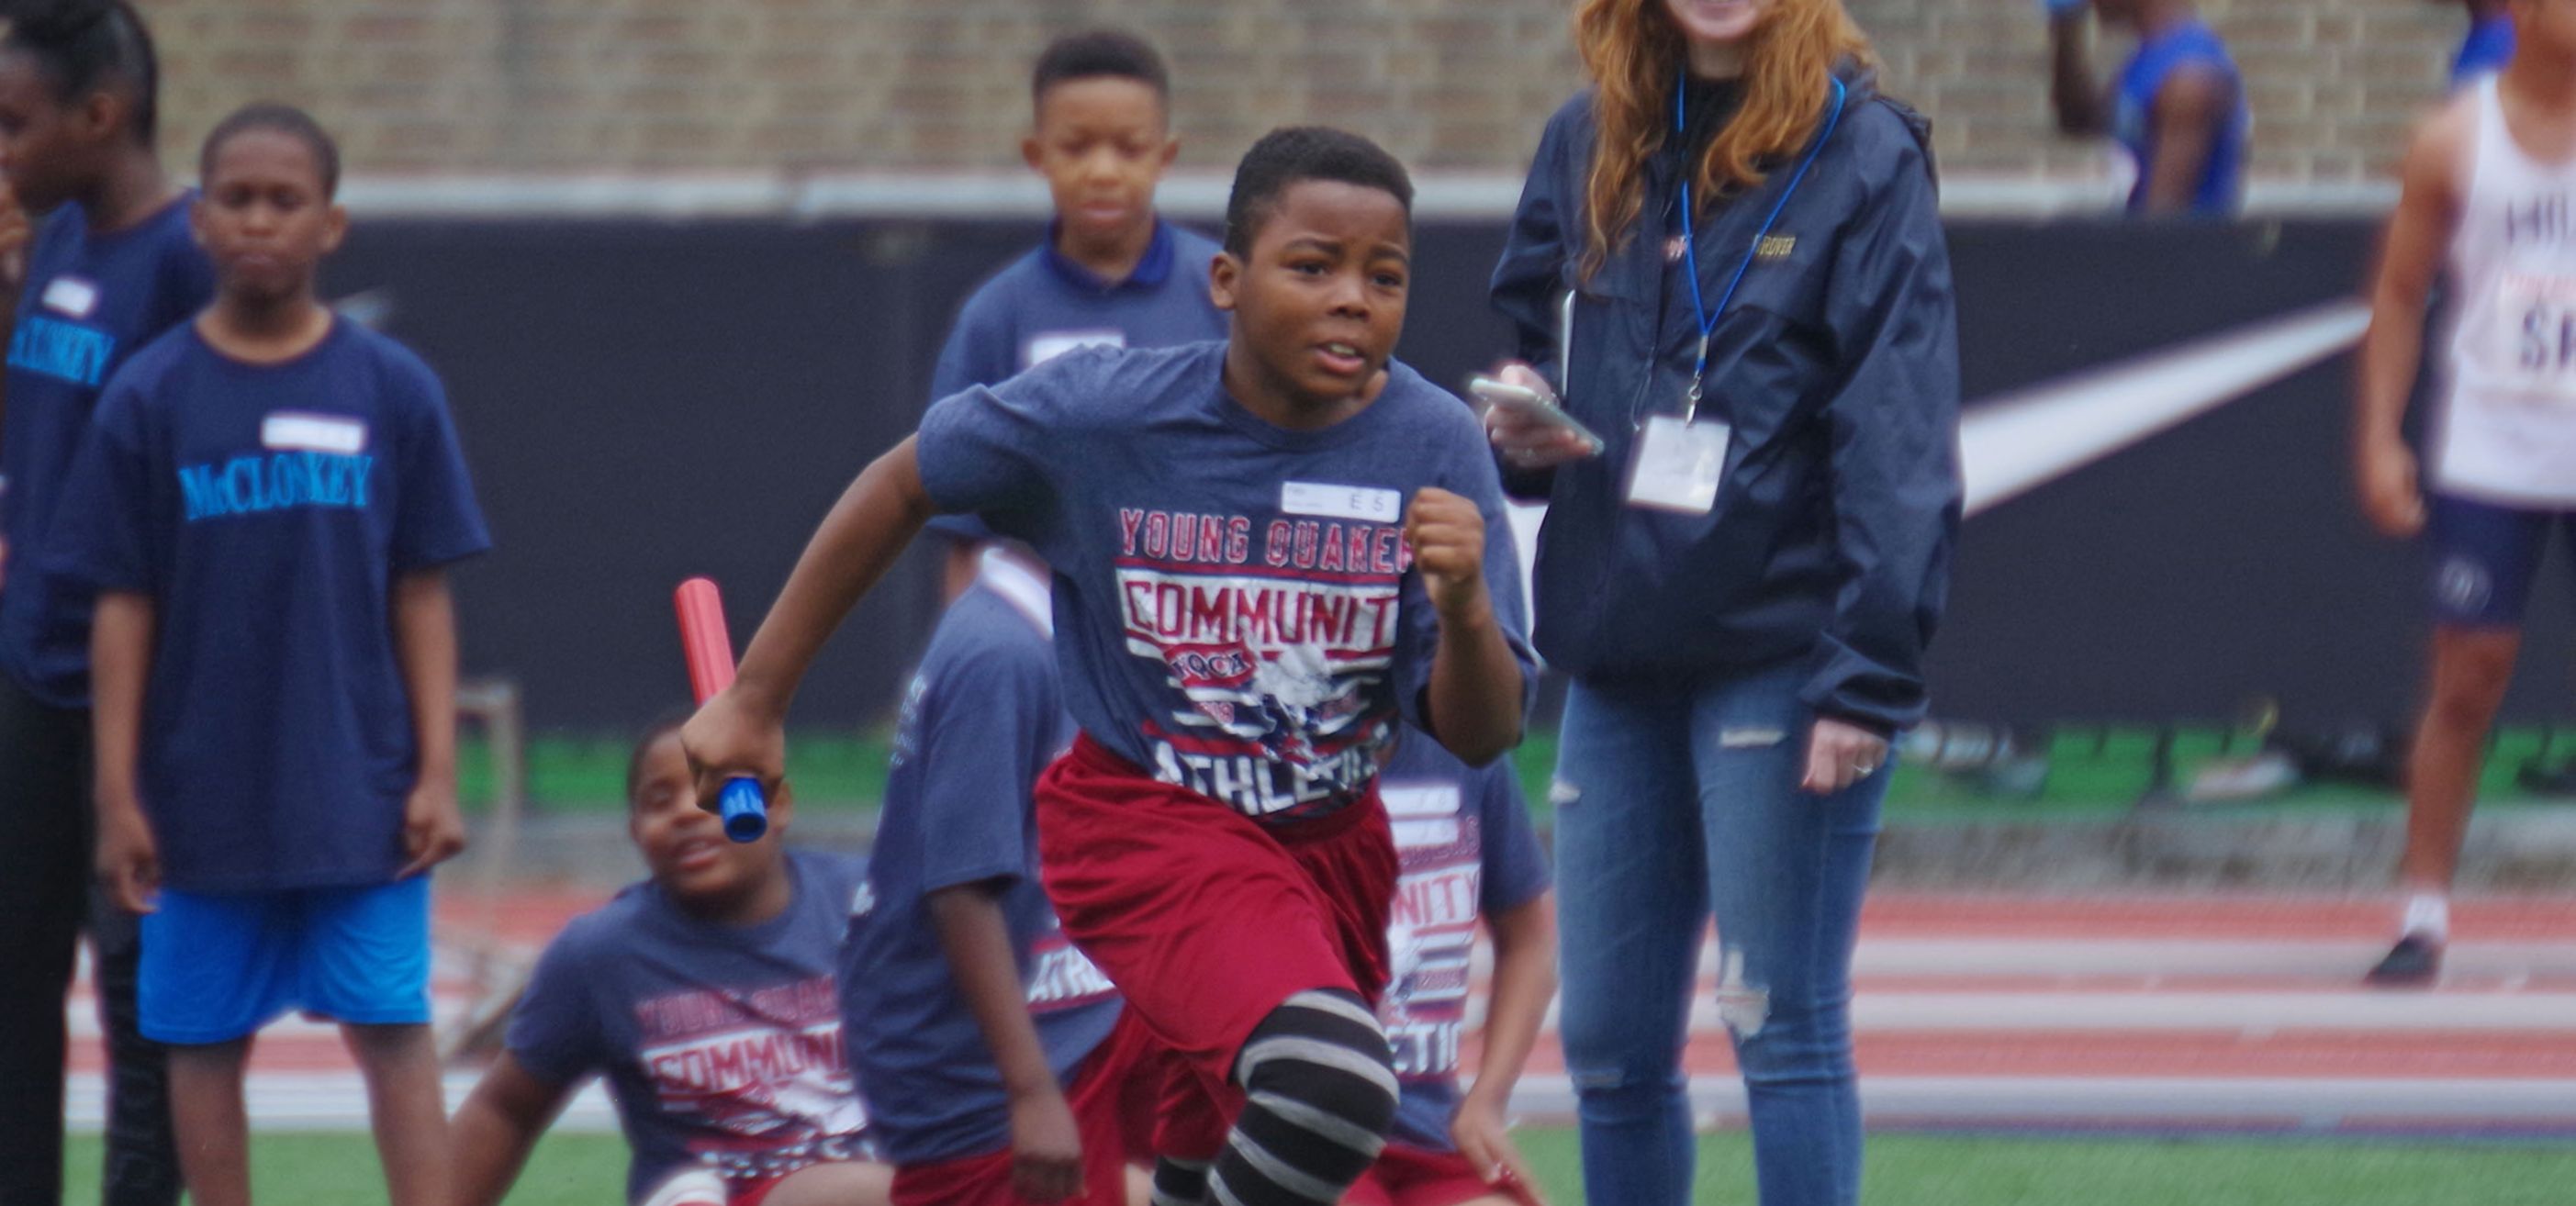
<point>2177,109</point>
<point>991,1052</point>
<point>1268,553</point>
<point>705,994</point>
<point>2485,203</point>
<point>1464,836</point>
<point>265,503</point>
<point>1111,271</point>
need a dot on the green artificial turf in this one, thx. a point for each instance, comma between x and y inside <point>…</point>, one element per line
<point>2094,773</point>
<point>1903,1170</point>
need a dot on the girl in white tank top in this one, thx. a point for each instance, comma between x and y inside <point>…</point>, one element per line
<point>2508,433</point>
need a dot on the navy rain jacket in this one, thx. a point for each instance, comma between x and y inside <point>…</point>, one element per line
<point>1837,365</point>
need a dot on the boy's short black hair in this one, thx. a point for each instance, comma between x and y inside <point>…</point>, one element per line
<point>1294,154</point>
<point>1096,53</point>
<point>83,45</point>
<point>285,119</point>
<point>652,736</point>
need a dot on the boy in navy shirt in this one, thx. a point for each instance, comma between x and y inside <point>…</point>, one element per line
<point>1111,271</point>
<point>1268,553</point>
<point>706,996</point>
<point>991,1052</point>
<point>1468,852</point>
<point>265,502</point>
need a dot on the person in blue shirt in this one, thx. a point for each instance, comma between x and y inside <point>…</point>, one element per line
<point>706,997</point>
<point>110,267</point>
<point>991,1052</point>
<point>1111,270</point>
<point>1268,552</point>
<point>1464,838</point>
<point>2177,110</point>
<point>2489,44</point>
<point>266,502</point>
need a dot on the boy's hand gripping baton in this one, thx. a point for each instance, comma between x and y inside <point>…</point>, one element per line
<point>709,650</point>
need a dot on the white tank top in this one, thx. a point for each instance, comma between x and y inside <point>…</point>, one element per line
<point>2508,434</point>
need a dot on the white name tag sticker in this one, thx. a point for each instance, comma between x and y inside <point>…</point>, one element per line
<point>296,431</point>
<point>1048,345</point>
<point>71,295</point>
<point>1678,465</point>
<point>1368,503</point>
<point>1425,835</point>
<point>1419,800</point>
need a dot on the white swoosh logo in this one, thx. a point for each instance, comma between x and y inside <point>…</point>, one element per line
<point>2015,442</point>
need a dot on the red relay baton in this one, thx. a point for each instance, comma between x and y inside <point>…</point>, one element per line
<point>709,651</point>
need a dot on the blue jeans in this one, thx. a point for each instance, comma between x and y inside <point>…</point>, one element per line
<point>1676,801</point>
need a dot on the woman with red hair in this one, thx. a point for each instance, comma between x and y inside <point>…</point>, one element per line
<point>1728,264</point>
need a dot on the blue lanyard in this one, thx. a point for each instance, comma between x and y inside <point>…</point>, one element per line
<point>1690,241</point>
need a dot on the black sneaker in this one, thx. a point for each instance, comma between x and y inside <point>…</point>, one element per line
<point>2414,962</point>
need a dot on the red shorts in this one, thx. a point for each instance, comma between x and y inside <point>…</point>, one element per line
<point>1104,1110</point>
<point>1205,919</point>
<point>1413,1176</point>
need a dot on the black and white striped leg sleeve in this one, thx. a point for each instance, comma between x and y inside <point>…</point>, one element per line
<point>1180,1182</point>
<point>1320,1089</point>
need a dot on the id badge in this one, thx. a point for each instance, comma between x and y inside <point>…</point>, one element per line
<point>1678,465</point>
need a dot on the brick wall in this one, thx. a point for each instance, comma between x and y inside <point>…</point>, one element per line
<point>687,85</point>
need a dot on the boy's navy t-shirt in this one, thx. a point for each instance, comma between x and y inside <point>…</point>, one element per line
<point>91,300</point>
<point>267,510</point>
<point>722,1046</point>
<point>1236,609</point>
<point>1043,305</point>
<point>1463,837</point>
<point>980,721</point>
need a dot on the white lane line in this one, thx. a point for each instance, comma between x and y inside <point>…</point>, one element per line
<point>2536,1104</point>
<point>2334,962</point>
<point>2255,1014</point>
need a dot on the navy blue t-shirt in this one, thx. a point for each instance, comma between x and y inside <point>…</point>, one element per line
<point>1236,609</point>
<point>267,510</point>
<point>722,1045</point>
<point>1043,305</point>
<point>1464,839</point>
<point>91,301</point>
<point>980,721</point>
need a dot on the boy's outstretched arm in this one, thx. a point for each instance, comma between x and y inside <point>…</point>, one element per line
<point>741,730</point>
<point>424,620</point>
<point>120,654</point>
<point>1473,703</point>
<point>496,1127</point>
<point>1046,1141</point>
<point>1524,980</point>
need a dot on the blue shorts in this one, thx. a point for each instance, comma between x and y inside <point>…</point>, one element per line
<point>217,966</point>
<point>2485,557</point>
